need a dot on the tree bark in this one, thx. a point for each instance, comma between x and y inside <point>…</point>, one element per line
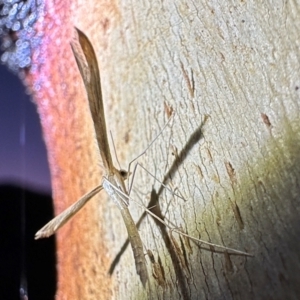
<point>230,72</point>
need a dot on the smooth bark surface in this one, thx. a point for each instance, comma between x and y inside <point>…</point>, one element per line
<point>231,74</point>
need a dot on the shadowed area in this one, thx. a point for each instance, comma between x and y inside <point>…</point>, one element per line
<point>24,262</point>
<point>155,207</point>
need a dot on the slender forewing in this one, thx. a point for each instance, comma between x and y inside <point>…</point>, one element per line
<point>88,66</point>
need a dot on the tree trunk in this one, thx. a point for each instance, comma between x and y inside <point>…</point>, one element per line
<point>230,72</point>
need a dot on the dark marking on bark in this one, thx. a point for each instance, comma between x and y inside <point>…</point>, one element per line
<point>180,255</point>
<point>230,172</point>
<point>266,120</point>
<point>217,210</point>
<point>193,106</point>
<point>185,256</point>
<point>174,151</point>
<point>261,184</point>
<point>209,155</point>
<point>168,109</point>
<point>282,258</point>
<point>238,216</point>
<point>126,137</point>
<point>282,278</point>
<point>222,56</point>
<point>105,24</point>
<point>157,270</point>
<point>199,171</point>
<point>190,83</point>
<point>206,117</point>
<point>228,263</point>
<point>212,248</point>
<point>187,244</point>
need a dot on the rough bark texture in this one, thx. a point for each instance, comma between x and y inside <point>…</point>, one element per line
<point>231,73</point>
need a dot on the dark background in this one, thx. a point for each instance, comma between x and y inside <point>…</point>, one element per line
<point>22,150</point>
<point>25,197</point>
